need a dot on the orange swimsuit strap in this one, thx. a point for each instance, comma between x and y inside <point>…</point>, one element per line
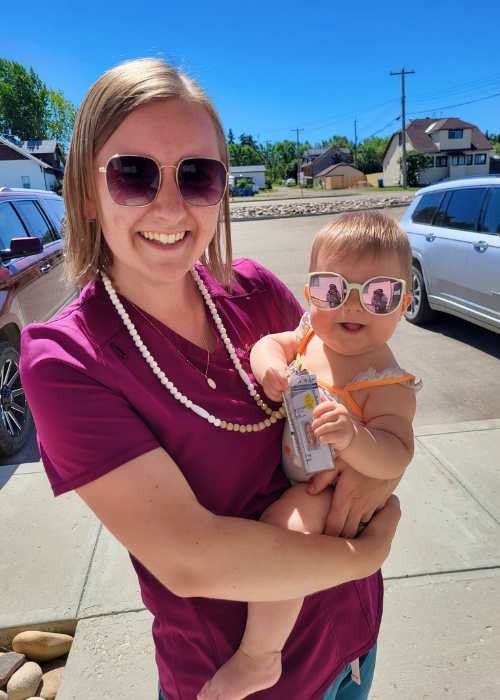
<point>345,393</point>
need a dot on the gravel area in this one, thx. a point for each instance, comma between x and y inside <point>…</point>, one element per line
<point>262,211</point>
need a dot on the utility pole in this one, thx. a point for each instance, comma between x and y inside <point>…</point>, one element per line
<point>298,161</point>
<point>355,145</point>
<point>402,74</point>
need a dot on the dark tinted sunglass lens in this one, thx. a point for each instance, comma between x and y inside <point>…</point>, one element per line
<point>202,181</point>
<point>383,295</point>
<point>327,291</point>
<point>133,181</point>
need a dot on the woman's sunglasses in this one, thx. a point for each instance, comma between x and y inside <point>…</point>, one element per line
<point>134,181</point>
<point>380,295</point>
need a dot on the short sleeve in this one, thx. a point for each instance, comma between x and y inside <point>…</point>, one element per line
<point>85,426</point>
<point>288,310</point>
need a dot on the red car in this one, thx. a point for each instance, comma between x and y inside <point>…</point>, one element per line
<point>31,289</point>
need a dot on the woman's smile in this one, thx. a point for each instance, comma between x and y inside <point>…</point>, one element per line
<point>164,239</point>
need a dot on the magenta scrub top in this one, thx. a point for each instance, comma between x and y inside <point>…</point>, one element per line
<point>97,405</point>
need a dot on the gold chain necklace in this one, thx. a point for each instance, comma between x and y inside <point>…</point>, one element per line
<point>209,381</point>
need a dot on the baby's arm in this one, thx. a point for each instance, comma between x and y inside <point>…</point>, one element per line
<point>269,360</point>
<point>383,447</point>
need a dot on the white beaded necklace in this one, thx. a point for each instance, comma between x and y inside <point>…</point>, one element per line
<point>273,415</point>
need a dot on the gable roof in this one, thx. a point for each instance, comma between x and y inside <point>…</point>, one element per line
<point>318,152</point>
<point>419,134</point>
<point>329,171</point>
<point>46,146</point>
<point>23,152</point>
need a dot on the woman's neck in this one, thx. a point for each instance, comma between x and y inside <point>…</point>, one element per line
<point>177,304</point>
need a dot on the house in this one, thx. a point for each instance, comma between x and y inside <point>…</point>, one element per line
<point>34,165</point>
<point>457,148</point>
<point>318,159</point>
<point>338,176</point>
<point>257,173</point>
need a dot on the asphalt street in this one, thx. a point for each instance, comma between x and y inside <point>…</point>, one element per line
<point>457,360</point>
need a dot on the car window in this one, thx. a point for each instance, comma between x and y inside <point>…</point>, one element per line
<point>426,209</point>
<point>463,209</point>
<point>10,225</point>
<point>491,221</point>
<point>37,223</point>
<point>57,206</point>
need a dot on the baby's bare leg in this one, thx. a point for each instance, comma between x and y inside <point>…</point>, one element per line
<point>257,663</point>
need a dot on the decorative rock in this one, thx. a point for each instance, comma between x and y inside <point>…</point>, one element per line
<point>25,681</point>
<point>51,679</point>
<point>9,663</point>
<point>329,207</point>
<point>42,646</point>
<point>3,696</point>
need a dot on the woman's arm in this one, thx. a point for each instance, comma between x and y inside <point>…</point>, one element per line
<point>149,507</point>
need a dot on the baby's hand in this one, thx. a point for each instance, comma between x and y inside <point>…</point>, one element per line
<point>274,382</point>
<point>333,425</point>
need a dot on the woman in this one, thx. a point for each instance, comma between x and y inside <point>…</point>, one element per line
<point>157,428</point>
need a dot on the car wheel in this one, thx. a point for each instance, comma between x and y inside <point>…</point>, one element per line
<point>15,415</point>
<point>419,310</point>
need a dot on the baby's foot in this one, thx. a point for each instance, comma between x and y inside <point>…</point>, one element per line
<point>242,675</point>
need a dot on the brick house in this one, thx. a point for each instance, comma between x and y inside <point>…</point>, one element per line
<point>457,148</point>
<point>29,164</point>
<point>316,160</point>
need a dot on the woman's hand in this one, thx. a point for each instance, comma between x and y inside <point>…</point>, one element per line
<point>355,499</point>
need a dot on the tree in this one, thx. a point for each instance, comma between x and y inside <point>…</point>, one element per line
<point>230,137</point>
<point>248,140</point>
<point>370,154</point>
<point>416,162</point>
<point>29,109</point>
<point>60,118</point>
<point>339,141</point>
<point>24,102</point>
<point>243,155</point>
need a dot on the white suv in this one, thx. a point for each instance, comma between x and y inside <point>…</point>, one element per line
<point>454,231</point>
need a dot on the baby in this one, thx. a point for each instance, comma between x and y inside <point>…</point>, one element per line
<point>357,291</point>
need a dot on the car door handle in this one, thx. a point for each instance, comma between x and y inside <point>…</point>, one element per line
<point>45,268</point>
<point>480,245</point>
<point>430,236</point>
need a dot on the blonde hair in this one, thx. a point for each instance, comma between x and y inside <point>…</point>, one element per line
<point>108,102</point>
<point>361,232</point>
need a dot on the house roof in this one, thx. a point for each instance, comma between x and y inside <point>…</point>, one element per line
<point>21,150</point>
<point>317,152</point>
<point>329,171</point>
<point>418,132</point>
<point>35,147</point>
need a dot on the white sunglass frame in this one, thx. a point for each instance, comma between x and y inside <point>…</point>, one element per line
<point>103,169</point>
<point>359,287</point>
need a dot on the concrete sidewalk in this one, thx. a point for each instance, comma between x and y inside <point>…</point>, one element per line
<point>60,569</point>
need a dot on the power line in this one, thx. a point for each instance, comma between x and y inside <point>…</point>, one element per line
<point>438,109</point>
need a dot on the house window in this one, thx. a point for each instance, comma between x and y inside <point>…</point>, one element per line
<point>400,139</point>
<point>468,159</point>
<point>458,160</point>
<point>480,159</point>
<point>26,182</point>
<point>455,133</point>
<point>441,161</point>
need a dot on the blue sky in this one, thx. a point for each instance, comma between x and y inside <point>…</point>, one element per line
<point>273,66</point>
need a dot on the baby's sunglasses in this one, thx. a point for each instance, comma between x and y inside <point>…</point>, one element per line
<point>134,181</point>
<point>328,291</point>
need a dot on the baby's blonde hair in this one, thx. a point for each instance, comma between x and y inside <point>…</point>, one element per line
<point>361,232</point>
